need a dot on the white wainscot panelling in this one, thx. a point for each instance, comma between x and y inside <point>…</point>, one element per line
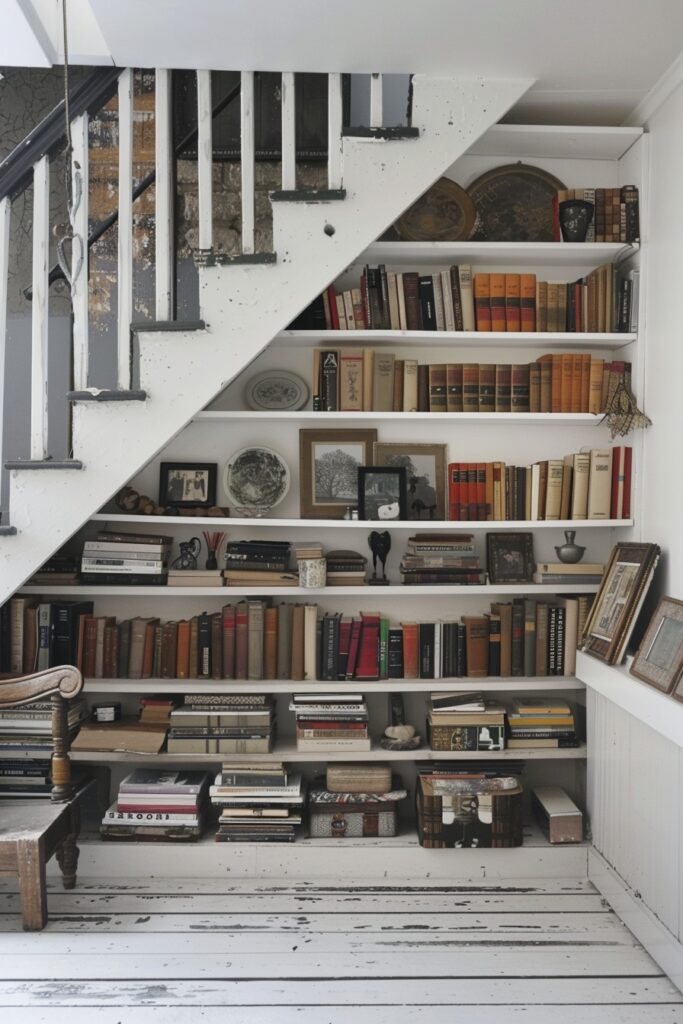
<point>635,780</point>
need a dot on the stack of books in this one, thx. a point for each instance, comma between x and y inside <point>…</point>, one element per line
<point>60,570</point>
<point>222,724</point>
<point>308,549</point>
<point>195,578</point>
<point>24,779</point>
<point>438,558</point>
<point>29,728</point>
<point>465,721</point>
<point>260,803</point>
<point>126,558</point>
<point>161,805</point>
<point>331,722</point>
<point>258,563</point>
<point>562,572</point>
<point>541,723</point>
<point>345,569</point>
<point>156,710</point>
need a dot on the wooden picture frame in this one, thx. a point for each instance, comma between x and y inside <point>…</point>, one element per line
<point>382,493</point>
<point>510,557</point>
<point>187,484</point>
<point>622,591</point>
<point>659,659</point>
<point>425,466</point>
<point>322,494</point>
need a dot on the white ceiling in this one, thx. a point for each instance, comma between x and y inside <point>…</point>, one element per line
<point>593,60</point>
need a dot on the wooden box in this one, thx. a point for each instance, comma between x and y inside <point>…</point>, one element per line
<point>468,811</point>
<point>557,814</point>
<point>353,815</point>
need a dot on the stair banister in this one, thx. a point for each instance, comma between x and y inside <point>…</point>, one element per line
<point>376,101</point>
<point>247,157</point>
<point>125,233</point>
<point>39,308</point>
<point>288,108</point>
<point>334,131</point>
<point>80,252</point>
<point>5,214</point>
<point>204,160</point>
<point>163,197</point>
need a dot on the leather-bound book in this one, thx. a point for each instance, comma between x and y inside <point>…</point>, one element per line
<point>487,387</point>
<point>517,637</point>
<point>454,491</point>
<point>519,399</point>
<point>217,645</point>
<point>546,382</point>
<point>503,387</point>
<point>228,659</point>
<point>137,647</point>
<point>437,387</point>
<point>513,304</point>
<point>411,290</point>
<point>527,302</point>
<point>156,658</point>
<point>423,388</point>
<point>284,641</point>
<point>270,644</point>
<point>169,650</point>
<point>427,306</point>
<point>123,648</point>
<point>497,300</point>
<point>470,387</point>
<point>255,629</point>
<point>354,645</point>
<point>542,306</point>
<point>477,644</point>
<point>399,373</point>
<point>111,650</point>
<point>182,670</point>
<point>194,647</point>
<point>148,648</point>
<point>534,387</point>
<point>541,658</point>
<point>482,301</point>
<point>456,299</point>
<point>454,387</point>
<point>503,610</point>
<point>494,651</point>
<point>297,664</point>
<point>367,666</point>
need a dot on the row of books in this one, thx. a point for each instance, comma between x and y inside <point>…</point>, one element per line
<point>616,216</point>
<point>456,300</point>
<point>468,722</point>
<point>112,558</point>
<point>441,558</point>
<point>364,379</point>
<point>586,485</point>
<point>331,722</point>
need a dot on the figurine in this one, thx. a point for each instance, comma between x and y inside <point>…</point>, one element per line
<point>399,735</point>
<point>189,553</point>
<point>380,545</point>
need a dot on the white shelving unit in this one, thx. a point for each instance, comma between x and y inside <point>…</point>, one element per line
<point>489,684</point>
<point>466,526</point>
<point>375,592</point>
<point>539,419</point>
<point>541,340</point>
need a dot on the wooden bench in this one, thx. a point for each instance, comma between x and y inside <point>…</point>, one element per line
<point>32,831</point>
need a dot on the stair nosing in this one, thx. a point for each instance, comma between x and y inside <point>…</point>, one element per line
<point>8,531</point>
<point>217,259</point>
<point>307,195</point>
<point>36,464</point>
<point>138,326</point>
<point>386,134</point>
<point>106,396</point>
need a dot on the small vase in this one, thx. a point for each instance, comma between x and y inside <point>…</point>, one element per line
<point>569,552</point>
<point>575,217</point>
<point>211,562</point>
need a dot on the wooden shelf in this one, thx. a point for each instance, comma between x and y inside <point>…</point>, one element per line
<point>540,419</point>
<point>376,592</point>
<point>555,141</point>
<point>514,684</point>
<point>290,754</point>
<point>464,526</point>
<point>517,254</point>
<point>477,339</point>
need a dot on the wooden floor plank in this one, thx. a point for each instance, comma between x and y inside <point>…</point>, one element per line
<point>563,961</point>
<point>594,1014</point>
<point>410,991</point>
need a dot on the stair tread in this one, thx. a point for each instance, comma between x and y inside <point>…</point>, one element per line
<point>220,259</point>
<point>167,325</point>
<point>106,396</point>
<point>307,195</point>
<point>397,132</point>
<point>44,464</point>
<point>7,531</point>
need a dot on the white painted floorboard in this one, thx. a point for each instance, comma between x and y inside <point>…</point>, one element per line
<point>183,951</point>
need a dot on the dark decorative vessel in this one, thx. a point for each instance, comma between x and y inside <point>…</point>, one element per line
<point>569,552</point>
<point>575,218</point>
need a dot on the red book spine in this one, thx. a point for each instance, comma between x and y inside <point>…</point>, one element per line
<point>229,642</point>
<point>353,649</point>
<point>617,471</point>
<point>626,510</point>
<point>472,471</point>
<point>334,315</point>
<point>368,652</point>
<point>481,491</point>
<point>410,658</point>
<point>156,808</point>
<point>308,723</point>
<point>454,491</point>
<point>241,642</point>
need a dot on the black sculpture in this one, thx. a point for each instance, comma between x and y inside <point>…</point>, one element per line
<point>380,545</point>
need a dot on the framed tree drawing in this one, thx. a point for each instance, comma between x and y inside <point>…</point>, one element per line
<point>328,470</point>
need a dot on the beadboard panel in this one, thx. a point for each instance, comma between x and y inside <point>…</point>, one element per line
<point>635,784</point>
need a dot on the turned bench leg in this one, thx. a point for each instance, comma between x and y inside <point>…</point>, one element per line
<point>67,853</point>
<point>31,872</point>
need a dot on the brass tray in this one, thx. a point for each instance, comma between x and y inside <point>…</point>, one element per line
<point>445,213</point>
<point>514,204</point>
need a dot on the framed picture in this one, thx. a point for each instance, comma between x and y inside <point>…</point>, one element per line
<point>510,557</point>
<point>382,492</point>
<point>425,466</point>
<point>612,617</point>
<point>659,659</point>
<point>328,470</point>
<point>187,484</point>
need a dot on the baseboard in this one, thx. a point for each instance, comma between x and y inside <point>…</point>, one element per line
<point>659,942</point>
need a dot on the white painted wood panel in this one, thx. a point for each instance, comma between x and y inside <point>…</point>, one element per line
<point>5,216</point>
<point>376,101</point>
<point>79,259</point>
<point>39,308</point>
<point>334,129</point>
<point>247,128</point>
<point>125,227</point>
<point>163,196</point>
<point>288,94</point>
<point>205,159</point>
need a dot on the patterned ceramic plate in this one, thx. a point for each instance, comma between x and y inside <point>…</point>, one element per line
<point>256,478</point>
<point>276,391</point>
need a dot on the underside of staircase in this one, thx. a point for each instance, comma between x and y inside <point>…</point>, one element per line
<point>244,304</point>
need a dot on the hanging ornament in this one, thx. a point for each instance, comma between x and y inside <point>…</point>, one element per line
<point>622,414</point>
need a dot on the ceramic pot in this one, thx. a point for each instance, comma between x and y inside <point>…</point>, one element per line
<point>575,218</point>
<point>569,552</point>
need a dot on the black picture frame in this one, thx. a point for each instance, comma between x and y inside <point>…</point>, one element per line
<point>393,480</point>
<point>178,490</point>
<point>510,557</point>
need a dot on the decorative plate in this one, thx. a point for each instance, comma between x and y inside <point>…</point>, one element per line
<point>256,479</point>
<point>514,204</point>
<point>445,213</point>
<point>276,391</point>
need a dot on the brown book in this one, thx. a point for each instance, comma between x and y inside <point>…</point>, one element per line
<point>487,387</point>
<point>546,374</point>
<point>488,491</point>
<point>566,496</point>
<point>541,638</point>
<point>182,670</point>
<point>138,628</point>
<point>423,388</point>
<point>534,387</point>
<point>228,641</point>
<point>482,301</point>
<point>255,633</point>
<point>553,307</point>
<point>156,654</point>
<point>504,611</point>
<point>297,665</point>
<point>454,387</point>
<point>542,487</point>
<point>193,672</point>
<point>567,377</point>
<point>585,382</point>
<point>520,387</point>
<point>577,382</point>
<point>553,495</point>
<point>411,291</point>
<point>541,305</point>
<point>110,667</point>
<point>437,387</point>
<point>81,642</point>
<point>284,641</point>
<point>270,644</point>
<point>399,372</point>
<point>562,307</point>
<point>497,290</point>
<point>169,651</point>
<point>383,382</point>
<point>527,302</point>
<point>30,646</point>
<point>410,385</point>
<point>241,640</point>
<point>503,387</point>
<point>351,380</point>
<point>148,648</point>
<point>217,645</point>
<point>470,387</point>
<point>513,305</point>
<point>476,644</point>
<point>595,385</point>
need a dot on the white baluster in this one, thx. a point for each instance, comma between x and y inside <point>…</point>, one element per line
<point>334,130</point>
<point>376,98</point>
<point>39,308</point>
<point>204,159</point>
<point>247,158</point>
<point>125,245</point>
<point>5,212</point>
<point>288,131</point>
<point>163,196</point>
<point>79,260</point>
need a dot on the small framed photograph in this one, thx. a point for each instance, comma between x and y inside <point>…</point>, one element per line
<point>510,557</point>
<point>659,659</point>
<point>425,466</point>
<point>328,470</point>
<point>613,614</point>
<point>187,484</point>
<point>382,493</point>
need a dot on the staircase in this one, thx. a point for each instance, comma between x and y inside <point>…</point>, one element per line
<point>374,174</point>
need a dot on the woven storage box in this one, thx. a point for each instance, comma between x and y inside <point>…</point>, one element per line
<point>353,815</point>
<point>358,778</point>
<point>468,811</point>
